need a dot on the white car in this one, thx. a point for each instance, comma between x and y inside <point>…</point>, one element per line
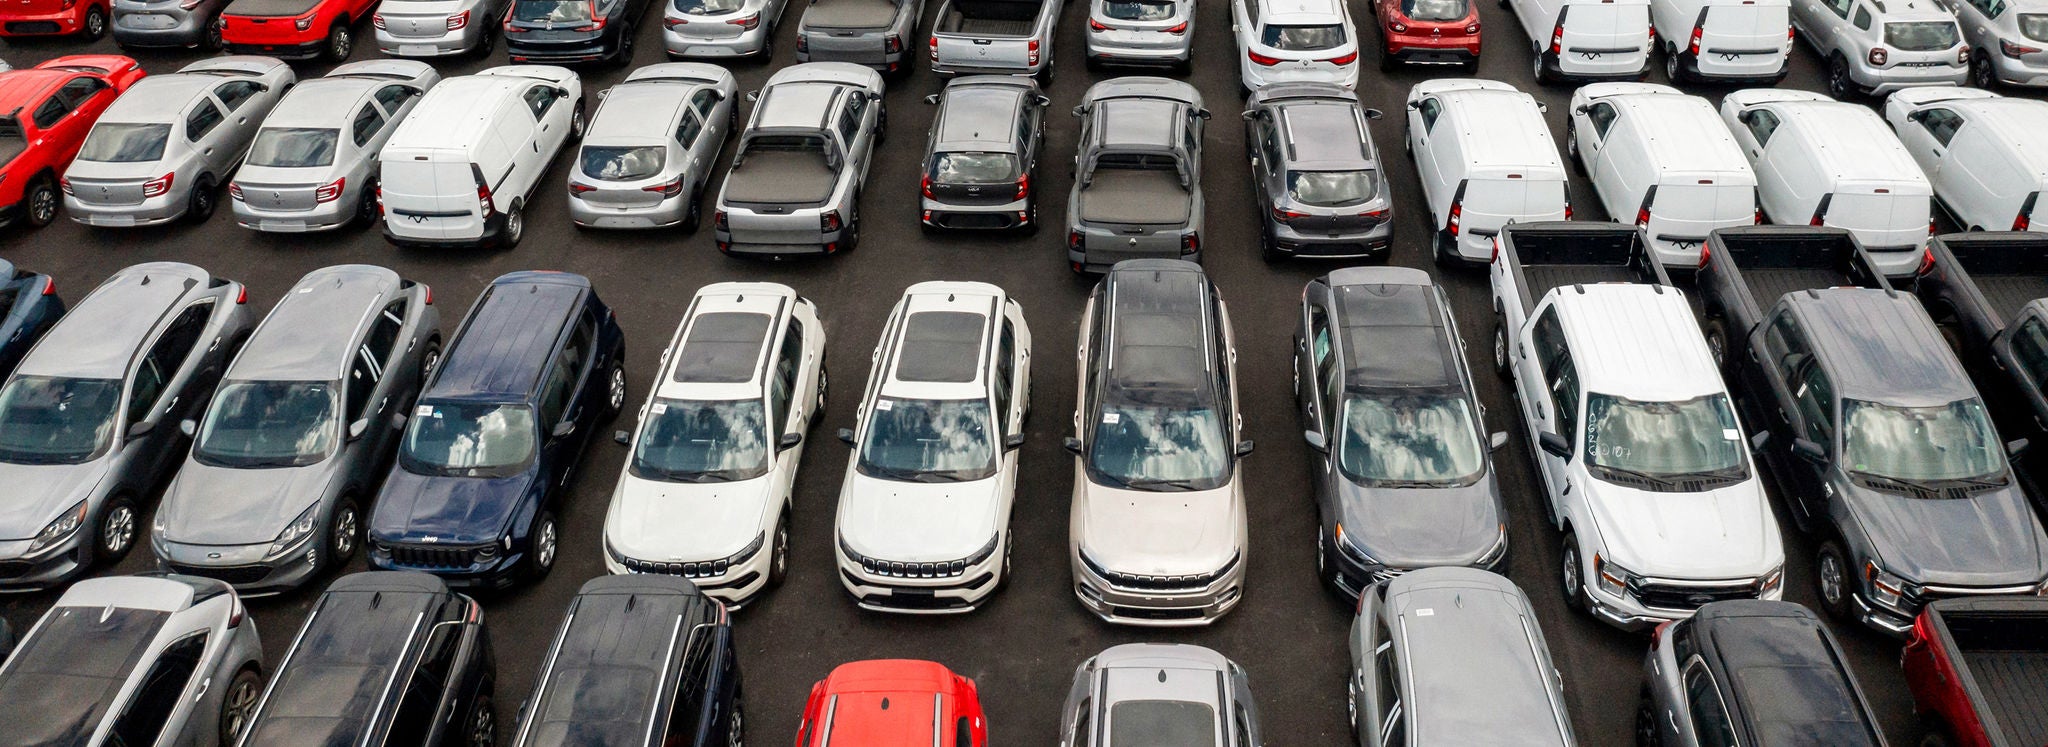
<point>1986,154</point>
<point>924,512</point>
<point>461,167</point>
<point>706,493</point>
<point>1291,41</point>
<point>1662,160</point>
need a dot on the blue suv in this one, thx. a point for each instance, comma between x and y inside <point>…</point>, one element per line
<point>536,367</point>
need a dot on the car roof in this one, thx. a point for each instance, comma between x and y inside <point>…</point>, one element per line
<point>311,332</point>
<point>981,116</point>
<point>2015,123</point>
<point>943,340</point>
<point>457,112</point>
<point>1880,346</point>
<point>637,113</point>
<point>142,592</point>
<point>508,338</point>
<point>1162,671</point>
<point>1393,329</point>
<point>1636,340</point>
<point>887,701</point>
<point>1502,128</point>
<point>1776,660</point>
<point>1851,142</point>
<point>25,88</point>
<point>160,98</point>
<point>1160,345</point>
<point>1324,133</point>
<point>718,349</point>
<point>623,639</point>
<point>341,672</point>
<point>322,102</point>
<point>1687,135</point>
<point>1908,10</point>
<point>1460,626</point>
<point>99,337</point>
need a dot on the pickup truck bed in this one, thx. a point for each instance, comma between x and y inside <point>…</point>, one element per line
<point>2015,685</point>
<point>989,18</point>
<point>780,177</point>
<point>1545,256</point>
<point>1998,652</point>
<point>1142,196</point>
<point>1748,269</point>
<point>850,14</point>
<point>2010,270</point>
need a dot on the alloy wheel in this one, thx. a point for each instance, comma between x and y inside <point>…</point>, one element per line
<point>483,728</point>
<point>240,703</point>
<point>42,204</point>
<point>345,524</point>
<point>1830,576</point>
<point>618,388</point>
<point>118,531</point>
<point>544,545</point>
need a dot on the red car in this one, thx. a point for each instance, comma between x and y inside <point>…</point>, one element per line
<point>1978,669</point>
<point>45,113</point>
<point>293,29</point>
<point>55,18</point>
<point>888,702</point>
<point>1428,32</point>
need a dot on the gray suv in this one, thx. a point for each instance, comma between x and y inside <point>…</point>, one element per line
<point>1137,173</point>
<point>982,154</point>
<point>1320,189</point>
<point>87,422</point>
<point>1160,693</point>
<point>289,451</point>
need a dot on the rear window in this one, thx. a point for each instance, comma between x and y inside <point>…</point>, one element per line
<point>618,164</point>
<point>1435,10</point>
<point>1332,188</point>
<point>974,168</point>
<point>1920,36</point>
<point>555,12</point>
<point>125,143</point>
<point>1303,38</point>
<point>2034,26</point>
<point>293,147</point>
<point>1138,10</point>
<point>1162,723</point>
<point>707,7</point>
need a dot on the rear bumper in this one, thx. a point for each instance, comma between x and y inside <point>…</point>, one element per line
<point>1106,51</point>
<point>1097,264</point>
<point>975,217</point>
<point>951,70</point>
<point>287,51</point>
<point>1882,81</point>
<point>1255,76</point>
<point>1367,244</point>
<point>888,62</point>
<point>1464,54</point>
<point>2019,72</point>
<point>47,24</point>
<point>493,234</point>
<point>1715,71</point>
<point>189,30</point>
<point>452,43</point>
<point>668,212</point>
<point>747,44</point>
<point>1553,68</point>
<point>326,216</point>
<point>151,211</point>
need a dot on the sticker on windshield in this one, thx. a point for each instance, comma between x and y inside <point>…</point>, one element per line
<point>1111,418</point>
<point>885,405</point>
<point>423,411</point>
<point>659,408</point>
<point>1731,434</point>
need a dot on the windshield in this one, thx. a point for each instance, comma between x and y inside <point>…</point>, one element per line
<point>708,7</point>
<point>1303,38</point>
<point>1661,441</point>
<point>702,441</point>
<point>1946,442</point>
<point>1332,188</point>
<point>1138,10</point>
<point>974,168</point>
<point>469,439</point>
<point>1435,10</point>
<point>125,143</point>
<point>268,424</point>
<point>49,420</point>
<point>293,147</point>
<point>927,440</point>
<point>1920,36</point>
<point>1150,447</point>
<point>2034,26</point>
<point>1412,439</point>
<point>623,163</point>
<point>553,12</point>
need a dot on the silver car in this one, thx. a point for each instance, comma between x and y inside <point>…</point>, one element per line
<point>649,151</point>
<point>2008,41</point>
<point>168,23</point>
<point>162,150</point>
<point>87,421</point>
<point>1141,33</point>
<point>290,449</point>
<point>1160,693</point>
<point>438,28</point>
<point>313,165</point>
<point>721,28</point>
<point>150,659</point>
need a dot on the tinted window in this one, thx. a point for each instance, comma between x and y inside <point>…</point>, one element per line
<point>362,381</point>
<point>158,694</point>
<point>623,163</point>
<point>1862,18</point>
<point>1602,118</point>
<point>941,346</point>
<point>1840,7</point>
<point>708,7</point>
<point>268,424</point>
<point>556,13</point>
<point>693,684</point>
<point>1946,442</point>
<point>703,100</point>
<point>125,143</point>
<point>1761,124</point>
<point>1138,10</point>
<point>1332,188</point>
<point>1429,109</point>
<point>540,98</point>
<point>1006,352</point>
<point>382,343</point>
<point>1920,36</point>
<point>367,122</point>
<point>394,97</point>
<point>1435,10</point>
<point>722,348</point>
<point>47,420</point>
<point>850,117</point>
<point>1816,398</point>
<point>414,719</point>
<point>60,683</point>
<point>1303,38</point>
<point>689,128</point>
<point>234,93</point>
<point>50,112</point>
<point>1703,704</point>
<point>295,147</point>
<point>202,120</point>
<point>165,358</point>
<point>702,441</point>
<point>1785,346</point>
<point>783,384</point>
<point>1941,123</point>
<point>474,440</point>
<point>2030,346</point>
<point>1564,397</point>
<point>79,90</point>
<point>1162,723</point>
<point>920,440</point>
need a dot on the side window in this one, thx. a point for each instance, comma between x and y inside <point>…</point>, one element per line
<point>1941,123</point>
<point>81,90</point>
<point>1083,736</point>
<point>1564,393</point>
<point>414,717</point>
<point>1320,349</point>
<point>1602,116</point>
<point>234,93</point>
<point>1269,144</point>
<point>1840,7</point>
<point>1994,8</point>
<point>202,120</point>
<point>1863,18</point>
<point>1429,109</point>
<point>782,385</point>
<point>688,129</point>
<point>1241,722</point>
<point>850,117</point>
<point>539,99</point>
<point>367,123</point>
<point>51,112</point>
<point>1026,113</point>
<point>383,340</point>
<point>692,684</point>
<point>1782,341</point>
<point>160,692</point>
<point>363,374</point>
<point>2030,346</point>
<point>1816,397</point>
<point>164,358</point>
<point>393,97</point>
<point>1191,134</point>
<point>703,100</point>
<point>1389,674</point>
<point>1006,353</point>
<point>1761,124</point>
<point>1710,722</point>
<point>1548,339</point>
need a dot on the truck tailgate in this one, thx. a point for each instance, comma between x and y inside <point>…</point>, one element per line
<point>1006,52</point>
<point>1134,196</point>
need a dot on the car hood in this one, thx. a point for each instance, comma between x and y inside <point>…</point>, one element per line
<point>1158,533</point>
<point>1726,532</point>
<point>208,505</point>
<point>41,491</point>
<point>1988,539</point>
<point>675,522</point>
<point>453,510</point>
<point>916,522</point>
<point>1422,526</point>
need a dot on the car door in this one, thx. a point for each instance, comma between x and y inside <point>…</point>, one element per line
<point>690,137</point>
<point>1243,23</point>
<point>203,132</point>
<point>1926,135</point>
<point>1422,119</point>
<point>714,111</point>
<point>1314,360</point>
<point>382,351</point>
<point>1547,362</point>
<point>1008,390</point>
<point>566,404</point>
<point>396,101</point>
<point>154,396</point>
<point>1803,400</point>
<point>84,98</point>
<point>1263,147</point>
<point>789,407</point>
<point>1592,135</point>
<point>551,126</point>
<point>857,130</point>
<point>1706,713</point>
<point>238,99</point>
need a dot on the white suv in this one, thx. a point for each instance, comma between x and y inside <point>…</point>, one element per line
<point>706,493</point>
<point>1290,41</point>
<point>924,513</point>
<point>1875,47</point>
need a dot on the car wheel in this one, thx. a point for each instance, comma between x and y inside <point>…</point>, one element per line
<point>1571,574</point>
<point>1541,77</point>
<point>1323,556</point>
<point>1646,721</point>
<point>1831,578</point>
<point>767,54</point>
<point>1716,334</point>
<point>430,359</point>
<point>95,23</point>
<point>615,389</point>
<point>1839,84</point>
<point>778,563</point>
<point>824,380</point>
<point>852,240</point>
<point>1501,362</point>
<point>1982,72</point>
<point>42,202</point>
<point>736,727</point>
<point>626,40</point>
<point>1268,251</point>
<point>214,42</point>
<point>545,543</point>
<point>515,225</point>
<point>199,206</point>
<point>576,122</point>
<point>1571,145</point>
<point>1673,70</point>
<point>348,528</point>
<point>695,216</point>
<point>114,532</point>
<point>340,41</point>
<point>367,211</point>
<point>239,704</point>
<point>483,724</point>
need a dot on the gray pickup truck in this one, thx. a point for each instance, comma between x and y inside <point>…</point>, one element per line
<point>795,182</point>
<point>1002,37</point>
<point>874,33</point>
<point>1137,174</point>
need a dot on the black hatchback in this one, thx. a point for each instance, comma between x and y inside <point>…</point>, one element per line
<point>573,31</point>
<point>384,658</point>
<point>642,660</point>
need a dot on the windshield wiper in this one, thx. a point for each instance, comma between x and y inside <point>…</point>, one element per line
<point>1652,477</point>
<point>1170,484</point>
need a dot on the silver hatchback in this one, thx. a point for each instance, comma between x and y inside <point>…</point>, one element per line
<point>163,149</point>
<point>1141,33</point>
<point>438,28</point>
<point>313,165</point>
<point>649,151</point>
<point>720,28</point>
<point>168,23</point>
<point>1160,693</point>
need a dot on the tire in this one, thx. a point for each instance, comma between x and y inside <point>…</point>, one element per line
<point>1674,66</point>
<point>485,45</point>
<point>824,381</point>
<point>515,226</point>
<point>1571,145</point>
<point>852,240</point>
<point>39,208</point>
<point>1501,364</point>
<point>367,212</point>
<point>200,204</point>
<point>778,558</point>
<point>1571,572</point>
<point>429,360</point>
<point>1646,721</point>
<point>95,25</point>
<point>340,41</point>
<point>212,41</point>
<point>345,532</point>
<point>576,122</point>
<point>544,544</point>
<point>115,530</point>
<point>615,388</point>
<point>1839,84</point>
<point>624,56</point>
<point>238,704</point>
<point>736,727</point>
<point>1441,248</point>
<point>1982,73</point>
<point>1716,334</point>
<point>1267,251</point>
<point>1831,570</point>
<point>695,217</point>
<point>483,724</point>
<point>1542,77</point>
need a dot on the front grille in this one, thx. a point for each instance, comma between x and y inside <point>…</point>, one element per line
<point>441,558</point>
<point>1185,582</point>
<point>1148,613</point>
<point>705,569</point>
<point>15,568</point>
<point>1686,597</point>
<point>235,575</point>
<point>895,569</point>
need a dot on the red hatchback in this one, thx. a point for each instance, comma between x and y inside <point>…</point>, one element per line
<point>45,113</point>
<point>1428,32</point>
<point>889,702</point>
<point>293,29</point>
<point>54,18</point>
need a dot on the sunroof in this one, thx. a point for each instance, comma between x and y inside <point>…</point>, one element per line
<point>722,348</point>
<point>941,346</point>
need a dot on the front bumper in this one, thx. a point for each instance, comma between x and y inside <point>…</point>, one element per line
<point>917,595</point>
<point>670,211</point>
<point>150,211</point>
<point>747,44</point>
<point>887,62</point>
<point>1351,576</point>
<point>1158,608</point>
<point>299,51</point>
<point>1624,611</point>
<point>240,566</point>
<point>1879,618</point>
<point>737,586</point>
<point>50,568</point>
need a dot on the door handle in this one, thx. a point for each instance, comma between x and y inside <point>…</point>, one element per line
<point>381,403</point>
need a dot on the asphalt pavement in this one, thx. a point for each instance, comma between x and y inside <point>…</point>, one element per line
<point>1023,646</point>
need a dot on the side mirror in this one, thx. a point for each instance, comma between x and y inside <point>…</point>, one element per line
<point>622,437</point>
<point>1073,444</point>
<point>717,95</point>
<point>2015,446</point>
<point>874,96</point>
<point>788,440</point>
<point>356,429</point>
<point>1042,100</point>
<point>141,429</point>
<point>561,93</point>
<point>1371,113</point>
<point>1916,115</point>
<point>604,94</point>
<point>1758,439</point>
<point>1497,440</point>
<point>1808,450</point>
<point>564,428</point>
<point>1315,441</point>
<point>754,95</point>
<point>931,98</point>
<point>1244,448</point>
<point>1580,109</point>
<point>1202,113</point>
<point>1081,110</point>
<point>1555,444</point>
<point>188,426</point>
<point>1542,107</point>
<point>1013,441</point>
<point>846,436</point>
<point>1413,105</point>
<point>1249,115</point>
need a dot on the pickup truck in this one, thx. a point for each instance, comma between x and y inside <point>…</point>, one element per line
<point>1879,443</point>
<point>794,187</point>
<point>1137,174</point>
<point>1640,456</point>
<point>293,29</point>
<point>999,37</point>
<point>874,33</point>
<point>1978,669</point>
<point>1989,293</point>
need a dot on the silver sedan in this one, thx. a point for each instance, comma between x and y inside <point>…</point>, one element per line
<point>313,166</point>
<point>720,28</point>
<point>438,28</point>
<point>649,150</point>
<point>163,149</point>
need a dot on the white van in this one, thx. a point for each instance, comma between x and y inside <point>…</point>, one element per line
<point>459,170</point>
<point>1587,40</point>
<point>1724,41</point>
<point>1486,159</point>
<point>1824,162</point>
<point>1664,160</point>
<point>1986,154</point>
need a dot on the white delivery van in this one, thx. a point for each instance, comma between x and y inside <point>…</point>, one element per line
<point>1662,159</point>
<point>1486,159</point>
<point>1986,154</point>
<point>1824,162</point>
<point>1581,41</point>
<point>1724,41</point>
<point>459,170</point>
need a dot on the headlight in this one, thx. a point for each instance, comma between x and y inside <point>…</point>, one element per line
<point>1771,582</point>
<point>296,533</point>
<point>1885,588</point>
<point>1611,577</point>
<point>1353,550</point>
<point>1500,548</point>
<point>60,528</point>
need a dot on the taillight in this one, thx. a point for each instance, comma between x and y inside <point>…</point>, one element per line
<point>1095,25</point>
<point>303,23</point>
<point>330,191</point>
<point>1643,211</point>
<point>1878,55</point>
<point>2025,218</point>
<point>892,44</point>
<point>1178,28</point>
<point>1397,27</point>
<point>675,21</point>
<point>803,43</point>
<point>49,285</point>
<point>1557,38</point>
<point>511,29</point>
<point>1190,243</point>
<point>69,4</point>
<point>158,186</point>
<point>429,291</point>
<point>1963,56</point>
<point>483,199</point>
<point>1074,241</point>
<point>1926,261</point>
<point>668,188</point>
<point>377,20</point>
<point>242,295</point>
<point>1567,210</point>
<point>457,21</point>
<point>828,221</point>
<point>2010,49</point>
<point>1344,59</point>
<point>747,23</point>
<point>235,191</point>
<point>1820,211</point>
<point>1284,215</point>
<point>1705,251</point>
<point>1379,214</point>
<point>924,186</point>
<point>718,221</point>
<point>596,21</point>
<point>933,44</point>
<point>1023,187</point>
<point>1472,28</point>
<point>1693,47</point>
<point>1031,47</point>
<point>1260,59</point>
<point>1457,219</point>
<point>577,188</point>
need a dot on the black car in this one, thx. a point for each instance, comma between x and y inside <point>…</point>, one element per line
<point>573,31</point>
<point>534,371</point>
<point>29,306</point>
<point>642,660</point>
<point>383,658</point>
<point>1989,292</point>
<point>1750,671</point>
